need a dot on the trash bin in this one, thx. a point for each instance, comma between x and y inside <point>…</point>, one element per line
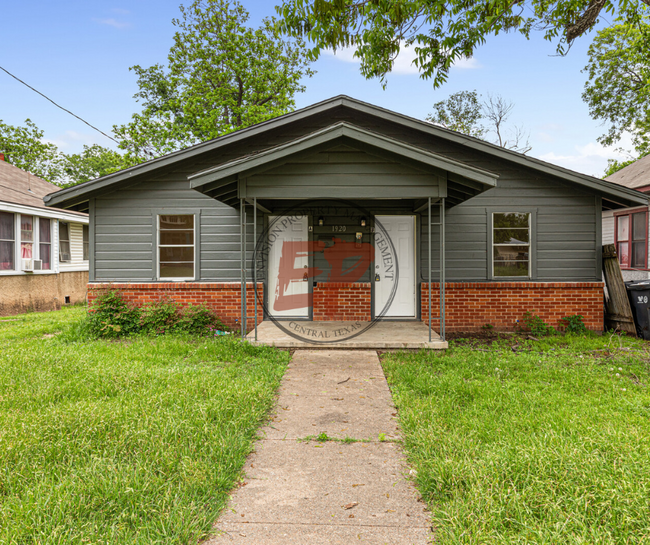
<point>639,296</point>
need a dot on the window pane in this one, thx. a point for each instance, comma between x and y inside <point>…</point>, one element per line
<point>64,251</point>
<point>511,260</point>
<point>44,231</point>
<point>6,255</point>
<point>86,236</point>
<point>511,269</point>
<point>623,254</point>
<point>638,226</point>
<point>638,255</point>
<point>510,220</point>
<point>26,250</point>
<point>177,270</point>
<point>45,252</point>
<point>86,242</point>
<point>27,228</point>
<point>177,254</point>
<point>623,231</point>
<point>176,222</point>
<point>6,226</point>
<point>511,236</point>
<point>64,233</point>
<point>177,237</point>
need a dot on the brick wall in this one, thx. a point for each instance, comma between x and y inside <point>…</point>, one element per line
<point>342,301</point>
<point>469,306</point>
<point>223,298</point>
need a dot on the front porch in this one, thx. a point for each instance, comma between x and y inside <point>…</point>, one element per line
<point>382,335</point>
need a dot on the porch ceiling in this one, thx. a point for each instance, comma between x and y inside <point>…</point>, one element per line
<point>425,174</point>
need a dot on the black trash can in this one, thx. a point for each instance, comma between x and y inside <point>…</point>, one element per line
<point>639,296</point>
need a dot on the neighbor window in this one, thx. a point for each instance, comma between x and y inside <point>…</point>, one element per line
<point>26,237</point>
<point>64,242</point>
<point>45,243</point>
<point>511,244</point>
<point>86,242</point>
<point>631,240</point>
<point>7,241</point>
<point>176,247</point>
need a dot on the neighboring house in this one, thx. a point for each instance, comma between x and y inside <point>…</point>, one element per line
<point>517,234</point>
<point>628,227</point>
<point>43,251</point>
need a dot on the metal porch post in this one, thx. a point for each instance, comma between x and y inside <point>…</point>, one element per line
<point>430,264</point>
<point>242,250</point>
<point>255,260</point>
<point>442,269</point>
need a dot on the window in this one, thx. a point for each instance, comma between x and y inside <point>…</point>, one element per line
<point>176,247</point>
<point>64,242</point>
<point>7,241</point>
<point>511,244</point>
<point>631,240</point>
<point>86,242</point>
<point>26,236</point>
<point>45,243</point>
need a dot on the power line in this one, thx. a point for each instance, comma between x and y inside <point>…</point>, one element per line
<point>57,105</point>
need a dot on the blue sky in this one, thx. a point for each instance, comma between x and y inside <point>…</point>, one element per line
<point>79,54</point>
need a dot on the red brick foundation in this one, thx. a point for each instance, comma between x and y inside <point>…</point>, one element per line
<point>469,306</point>
<point>342,301</point>
<point>223,298</point>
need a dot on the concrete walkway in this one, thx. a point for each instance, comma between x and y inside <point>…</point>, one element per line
<point>306,492</point>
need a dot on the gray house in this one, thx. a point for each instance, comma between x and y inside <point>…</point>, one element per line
<point>347,212</point>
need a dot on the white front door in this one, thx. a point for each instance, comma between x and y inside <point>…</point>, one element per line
<point>401,230</point>
<point>285,229</point>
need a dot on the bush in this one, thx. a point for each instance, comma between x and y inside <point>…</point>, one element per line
<point>536,325</point>
<point>110,315</point>
<point>574,324</point>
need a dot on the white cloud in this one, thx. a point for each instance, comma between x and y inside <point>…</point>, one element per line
<point>121,11</point>
<point>113,22</point>
<point>404,62</point>
<point>590,158</point>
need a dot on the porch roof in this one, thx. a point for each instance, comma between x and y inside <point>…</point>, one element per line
<point>444,177</point>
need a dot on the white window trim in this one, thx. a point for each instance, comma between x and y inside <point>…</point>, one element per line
<point>69,241</point>
<point>158,246</point>
<point>18,259</point>
<point>530,215</point>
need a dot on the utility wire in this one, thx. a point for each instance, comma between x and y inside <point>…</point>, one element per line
<point>58,106</point>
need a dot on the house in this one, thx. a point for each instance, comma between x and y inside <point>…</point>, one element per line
<point>627,228</point>
<point>43,250</point>
<point>347,212</point>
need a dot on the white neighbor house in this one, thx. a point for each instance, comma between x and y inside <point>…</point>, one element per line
<point>43,251</point>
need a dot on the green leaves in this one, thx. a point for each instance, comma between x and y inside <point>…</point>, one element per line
<point>221,76</point>
<point>442,32</point>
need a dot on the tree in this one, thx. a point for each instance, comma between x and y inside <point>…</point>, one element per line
<point>221,76</point>
<point>24,148</point>
<point>94,162</point>
<point>464,112</point>
<point>442,31</point>
<point>618,89</point>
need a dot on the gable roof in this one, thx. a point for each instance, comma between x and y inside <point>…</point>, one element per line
<point>19,187</point>
<point>634,176</point>
<point>616,195</point>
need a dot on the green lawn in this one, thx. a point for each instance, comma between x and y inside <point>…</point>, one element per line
<point>549,443</point>
<point>125,442</point>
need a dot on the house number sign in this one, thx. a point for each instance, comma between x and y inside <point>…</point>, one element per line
<point>339,228</point>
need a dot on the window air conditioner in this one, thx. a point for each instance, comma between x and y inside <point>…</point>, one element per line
<point>28,265</point>
<point>38,264</point>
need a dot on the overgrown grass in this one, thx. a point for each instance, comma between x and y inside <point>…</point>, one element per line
<point>546,442</point>
<point>123,442</point>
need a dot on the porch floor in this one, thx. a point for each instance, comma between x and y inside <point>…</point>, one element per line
<point>381,336</point>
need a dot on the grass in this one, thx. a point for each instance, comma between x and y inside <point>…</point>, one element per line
<point>136,441</point>
<point>543,442</point>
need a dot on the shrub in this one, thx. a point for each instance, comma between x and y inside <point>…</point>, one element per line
<point>112,316</point>
<point>574,324</point>
<point>536,325</point>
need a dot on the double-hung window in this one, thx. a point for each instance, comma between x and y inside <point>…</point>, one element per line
<point>176,247</point>
<point>632,240</point>
<point>7,241</point>
<point>86,239</point>
<point>26,236</point>
<point>64,242</point>
<point>511,244</point>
